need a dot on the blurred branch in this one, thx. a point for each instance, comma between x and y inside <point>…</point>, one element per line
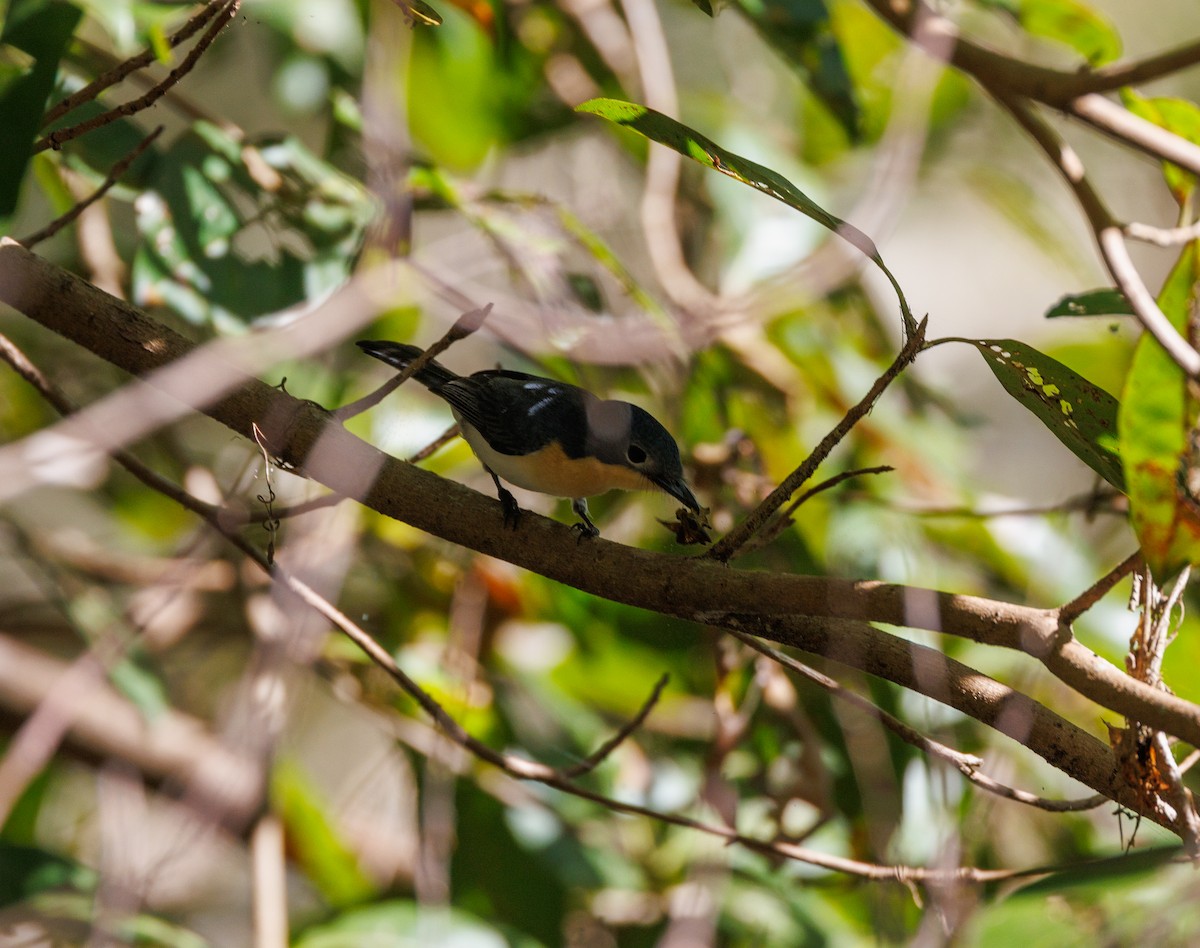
<point>663,241</point>
<point>174,749</point>
<point>1015,84</point>
<point>820,615</point>
<point>1051,86</point>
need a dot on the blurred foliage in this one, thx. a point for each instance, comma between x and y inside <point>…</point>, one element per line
<point>265,195</point>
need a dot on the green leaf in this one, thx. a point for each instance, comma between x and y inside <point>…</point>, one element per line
<point>141,686</point>
<point>320,852</point>
<point>1156,421</point>
<point>690,143</point>
<point>1081,415</point>
<point>801,32</point>
<point>1178,116</point>
<point>1070,22</point>
<point>27,870</point>
<point>41,29</point>
<point>405,924</point>
<point>1102,302</point>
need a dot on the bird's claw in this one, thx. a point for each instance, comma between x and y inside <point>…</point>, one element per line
<point>512,512</point>
<point>588,530</point>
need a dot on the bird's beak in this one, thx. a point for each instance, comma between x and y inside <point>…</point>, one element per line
<point>681,492</point>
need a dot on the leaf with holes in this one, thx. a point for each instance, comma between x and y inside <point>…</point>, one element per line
<point>1156,425</point>
<point>691,144</point>
<point>1081,415</point>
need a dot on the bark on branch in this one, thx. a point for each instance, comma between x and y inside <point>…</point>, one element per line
<point>821,615</point>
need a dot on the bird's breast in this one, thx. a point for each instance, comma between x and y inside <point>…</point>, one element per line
<point>550,471</point>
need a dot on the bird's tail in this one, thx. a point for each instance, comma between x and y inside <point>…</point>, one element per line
<point>433,376</point>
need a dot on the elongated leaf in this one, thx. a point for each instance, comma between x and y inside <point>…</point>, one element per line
<point>1156,420</point>
<point>1070,22</point>
<point>42,29</point>
<point>1103,302</point>
<point>800,31</point>
<point>1081,415</point>
<point>686,141</point>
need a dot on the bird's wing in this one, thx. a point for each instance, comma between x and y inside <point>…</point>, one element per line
<point>517,413</point>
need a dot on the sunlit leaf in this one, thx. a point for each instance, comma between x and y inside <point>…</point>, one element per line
<point>1070,22</point>
<point>690,143</point>
<point>1081,415</point>
<point>40,30</point>
<point>1156,424</point>
<point>1102,302</point>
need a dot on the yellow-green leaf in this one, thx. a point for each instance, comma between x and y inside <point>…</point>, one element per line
<point>1156,421</point>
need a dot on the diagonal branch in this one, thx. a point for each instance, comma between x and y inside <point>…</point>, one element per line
<point>727,547</point>
<point>820,615</point>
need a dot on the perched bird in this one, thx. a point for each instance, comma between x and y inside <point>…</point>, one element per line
<point>550,436</point>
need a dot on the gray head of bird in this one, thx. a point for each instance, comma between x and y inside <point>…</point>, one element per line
<point>623,434</point>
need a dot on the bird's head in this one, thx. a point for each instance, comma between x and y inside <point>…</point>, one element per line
<point>623,434</point>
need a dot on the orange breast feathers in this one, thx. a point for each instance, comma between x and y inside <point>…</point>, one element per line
<point>550,471</point>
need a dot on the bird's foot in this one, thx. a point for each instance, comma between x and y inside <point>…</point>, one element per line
<point>586,528</point>
<point>512,512</point>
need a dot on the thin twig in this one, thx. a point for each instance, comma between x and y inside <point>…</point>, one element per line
<point>1109,236</point>
<point>113,176</point>
<point>110,78</point>
<point>1072,610</point>
<point>966,764</point>
<point>1162,236</point>
<point>727,547</point>
<point>466,324</point>
<point>60,137</point>
<point>781,521</point>
<point>602,752</point>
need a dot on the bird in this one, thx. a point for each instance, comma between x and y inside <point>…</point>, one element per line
<point>548,436</point>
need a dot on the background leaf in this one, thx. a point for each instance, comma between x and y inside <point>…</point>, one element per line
<point>42,29</point>
<point>1102,302</point>
<point>801,32</point>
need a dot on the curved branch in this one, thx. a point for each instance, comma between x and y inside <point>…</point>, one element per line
<point>786,608</point>
<point>1109,236</point>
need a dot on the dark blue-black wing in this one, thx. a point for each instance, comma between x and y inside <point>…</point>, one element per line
<point>518,413</point>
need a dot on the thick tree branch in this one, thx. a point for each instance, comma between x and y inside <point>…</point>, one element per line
<point>809,612</point>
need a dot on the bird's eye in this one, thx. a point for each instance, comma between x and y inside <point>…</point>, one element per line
<point>636,454</point>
